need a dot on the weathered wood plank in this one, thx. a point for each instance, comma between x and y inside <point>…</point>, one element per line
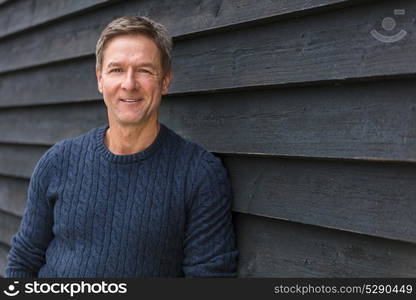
<point>13,195</point>
<point>4,250</point>
<point>204,16</point>
<point>24,14</point>
<point>350,196</point>
<point>19,160</point>
<point>360,121</point>
<point>281,52</point>
<point>9,225</point>
<point>71,81</point>
<point>77,36</point>
<point>355,121</point>
<point>364,197</point>
<point>270,248</point>
<point>4,1</point>
<point>46,125</point>
<point>334,46</point>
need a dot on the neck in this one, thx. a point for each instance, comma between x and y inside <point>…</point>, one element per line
<point>124,140</point>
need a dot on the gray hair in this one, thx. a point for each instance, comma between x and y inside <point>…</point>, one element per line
<point>137,25</point>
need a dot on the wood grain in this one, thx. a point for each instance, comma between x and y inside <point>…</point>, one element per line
<point>4,250</point>
<point>19,160</point>
<point>363,197</point>
<point>273,54</point>
<point>26,14</point>
<point>270,248</point>
<point>13,193</point>
<point>9,225</point>
<point>78,35</point>
<point>354,121</point>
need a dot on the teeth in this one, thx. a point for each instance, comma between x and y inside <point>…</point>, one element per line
<point>131,100</point>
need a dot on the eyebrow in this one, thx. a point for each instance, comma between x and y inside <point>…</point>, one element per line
<point>113,64</point>
<point>116,64</point>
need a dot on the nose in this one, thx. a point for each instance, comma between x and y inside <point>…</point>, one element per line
<point>129,81</point>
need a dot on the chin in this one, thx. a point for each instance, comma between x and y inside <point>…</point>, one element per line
<point>129,119</point>
<point>132,121</point>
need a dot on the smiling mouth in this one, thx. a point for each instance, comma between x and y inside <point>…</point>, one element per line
<point>131,100</point>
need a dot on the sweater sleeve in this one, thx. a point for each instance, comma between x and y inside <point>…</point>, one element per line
<point>209,246</point>
<point>29,244</point>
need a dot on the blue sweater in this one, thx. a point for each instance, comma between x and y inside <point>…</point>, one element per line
<point>162,212</point>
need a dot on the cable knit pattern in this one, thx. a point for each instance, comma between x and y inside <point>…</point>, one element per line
<point>162,212</point>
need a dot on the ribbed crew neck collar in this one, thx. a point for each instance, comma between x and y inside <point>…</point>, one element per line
<point>128,158</point>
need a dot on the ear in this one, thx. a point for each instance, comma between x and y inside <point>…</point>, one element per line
<point>166,82</point>
<point>99,78</point>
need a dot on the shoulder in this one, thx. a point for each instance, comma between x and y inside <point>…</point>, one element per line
<point>204,169</point>
<point>193,154</point>
<point>80,140</point>
<point>63,148</point>
<point>209,181</point>
<point>70,145</point>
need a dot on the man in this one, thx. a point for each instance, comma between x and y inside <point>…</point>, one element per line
<point>131,198</point>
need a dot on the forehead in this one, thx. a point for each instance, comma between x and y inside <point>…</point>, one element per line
<point>131,48</point>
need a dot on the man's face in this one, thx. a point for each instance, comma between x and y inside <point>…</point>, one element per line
<point>131,80</point>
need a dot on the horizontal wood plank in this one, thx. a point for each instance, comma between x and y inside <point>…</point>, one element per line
<point>273,54</point>
<point>46,125</point>
<point>13,194</point>
<point>72,81</point>
<point>354,121</point>
<point>363,197</point>
<point>24,14</point>
<point>334,46</point>
<point>4,250</point>
<point>77,36</point>
<point>359,121</point>
<point>9,225</point>
<point>4,1</point>
<point>350,196</point>
<point>270,248</point>
<point>19,160</point>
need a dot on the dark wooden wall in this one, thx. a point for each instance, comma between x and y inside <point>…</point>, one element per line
<point>313,117</point>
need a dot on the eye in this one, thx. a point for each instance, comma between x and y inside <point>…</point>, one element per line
<point>144,71</point>
<point>116,70</point>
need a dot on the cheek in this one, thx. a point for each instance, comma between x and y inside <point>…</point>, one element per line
<point>109,87</point>
<point>151,87</point>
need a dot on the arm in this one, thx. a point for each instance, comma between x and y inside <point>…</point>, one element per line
<point>29,244</point>
<point>209,247</point>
